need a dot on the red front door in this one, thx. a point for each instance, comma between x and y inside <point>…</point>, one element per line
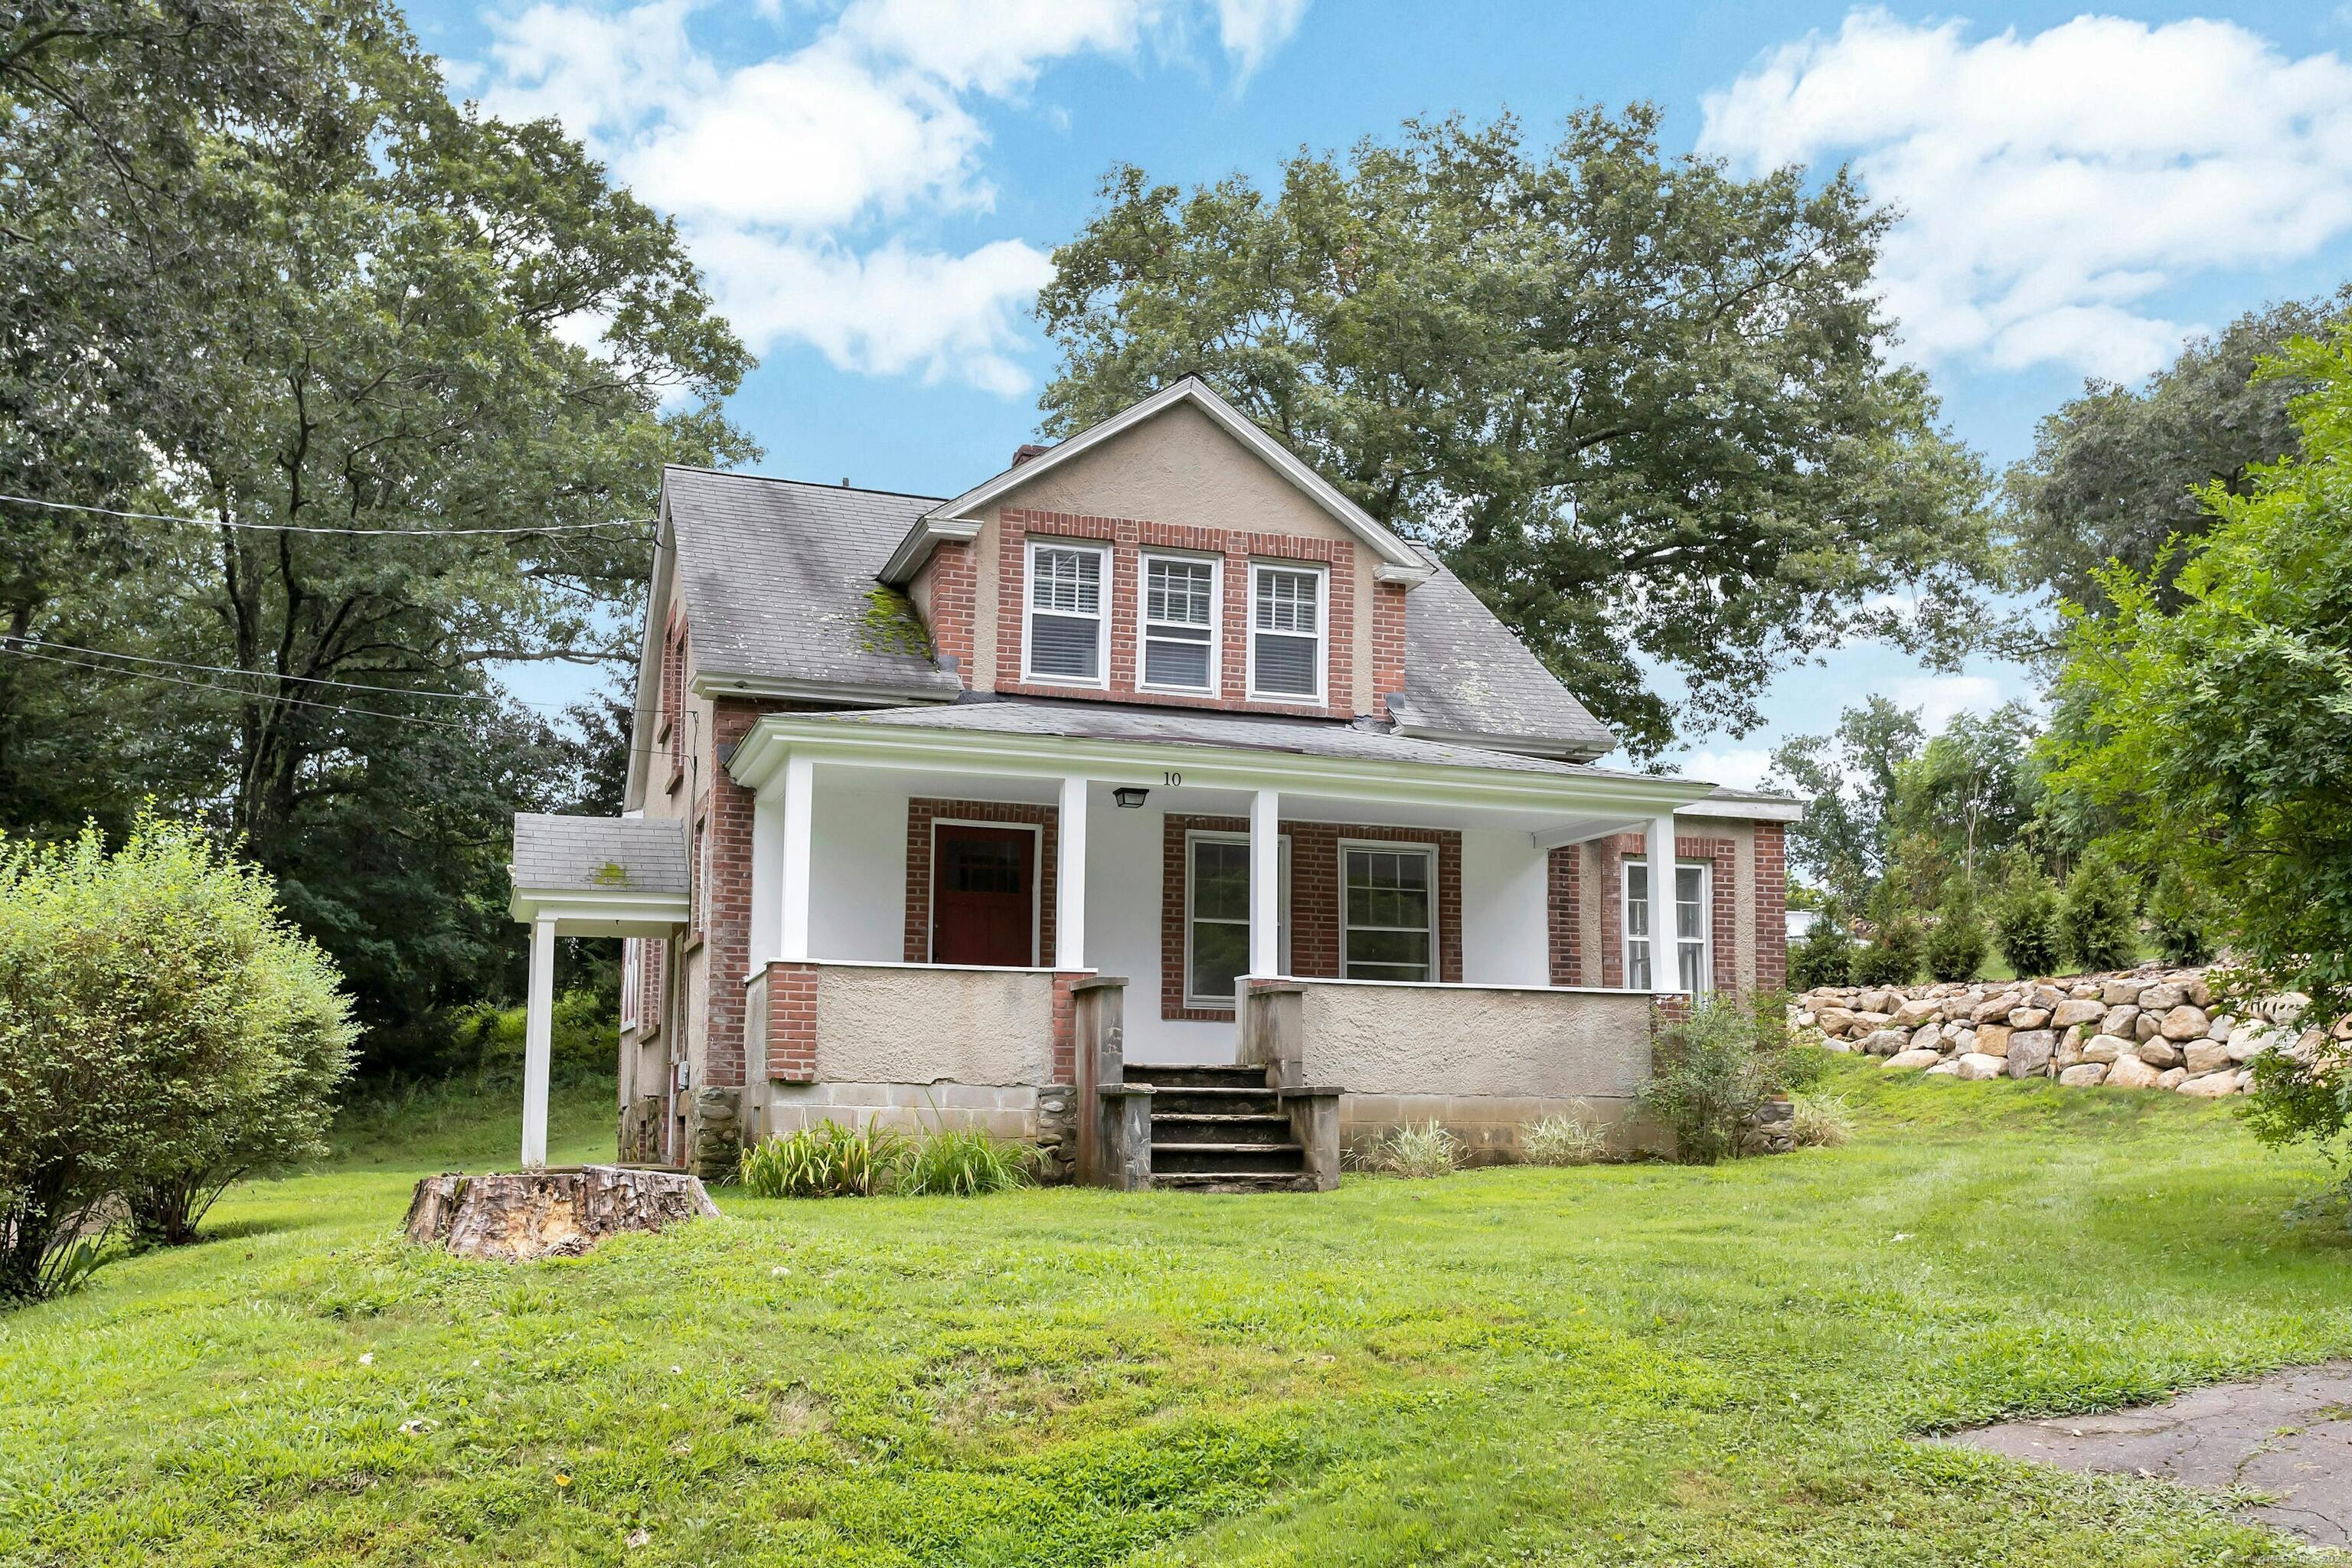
<point>983,895</point>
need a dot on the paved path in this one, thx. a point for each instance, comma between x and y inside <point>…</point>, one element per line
<point>2288,1435</point>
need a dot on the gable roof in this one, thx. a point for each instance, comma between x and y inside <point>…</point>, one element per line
<point>780,576</point>
<point>1469,679</point>
<point>961,517</point>
<point>598,854</point>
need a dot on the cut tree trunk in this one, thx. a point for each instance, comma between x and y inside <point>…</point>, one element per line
<point>514,1217</point>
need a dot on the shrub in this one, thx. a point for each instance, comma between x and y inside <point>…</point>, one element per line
<point>2026,918</point>
<point>1427,1149</point>
<point>1955,948</point>
<point>964,1163</point>
<point>2182,917</point>
<point>1892,956</point>
<point>1824,958</point>
<point>1576,1140</point>
<point>2096,917</point>
<point>827,1161</point>
<point>1822,1120</point>
<point>1711,1070</point>
<point>163,1031</point>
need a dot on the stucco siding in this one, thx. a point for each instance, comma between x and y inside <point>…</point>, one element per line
<point>1466,1041</point>
<point>976,1026</point>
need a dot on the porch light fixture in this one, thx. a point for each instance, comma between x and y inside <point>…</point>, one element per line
<point>1129,796</point>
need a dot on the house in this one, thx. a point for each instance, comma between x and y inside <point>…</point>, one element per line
<point>1152,762</point>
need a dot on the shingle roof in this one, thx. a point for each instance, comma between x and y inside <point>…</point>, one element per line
<point>599,854</point>
<point>1465,674</point>
<point>779,576</point>
<point>1201,727</point>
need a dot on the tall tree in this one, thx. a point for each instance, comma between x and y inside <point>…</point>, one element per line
<point>1646,409</point>
<point>1972,790</point>
<point>2118,471</point>
<point>1850,779</point>
<point>418,369</point>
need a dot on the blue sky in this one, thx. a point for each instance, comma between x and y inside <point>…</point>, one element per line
<point>873,187</point>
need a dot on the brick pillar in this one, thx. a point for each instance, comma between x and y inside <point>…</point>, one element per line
<point>792,1022</point>
<point>1772,906</point>
<point>1564,913</point>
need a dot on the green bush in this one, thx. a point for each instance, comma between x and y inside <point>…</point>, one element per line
<point>1825,957</point>
<point>1821,1121</point>
<point>2026,918</point>
<point>2097,917</point>
<point>163,1031</point>
<point>1575,1139</point>
<point>583,1030</point>
<point>964,1163</point>
<point>1417,1151</point>
<point>1892,956</point>
<point>827,1161</point>
<point>2181,917</point>
<point>1712,1070</point>
<point>1955,948</point>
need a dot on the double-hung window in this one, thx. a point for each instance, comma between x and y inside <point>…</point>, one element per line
<point>1180,623</point>
<point>1688,933</point>
<point>1390,929</point>
<point>1287,621</point>
<point>632,960</point>
<point>1216,916</point>
<point>1066,625</point>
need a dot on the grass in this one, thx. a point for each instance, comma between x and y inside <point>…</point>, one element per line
<point>1615,1365</point>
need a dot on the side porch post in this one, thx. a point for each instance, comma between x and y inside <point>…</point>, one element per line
<point>1265,883</point>
<point>1070,878</point>
<point>792,886</point>
<point>537,1037</point>
<point>1665,975</point>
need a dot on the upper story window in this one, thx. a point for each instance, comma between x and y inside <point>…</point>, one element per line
<point>1066,641</point>
<point>1286,620</point>
<point>1693,960</point>
<point>1180,623</point>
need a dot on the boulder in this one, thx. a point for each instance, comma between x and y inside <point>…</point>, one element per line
<point>2084,990</point>
<point>1913,1060</point>
<point>1834,1020</point>
<point>1976,1066</point>
<point>2120,1021</point>
<point>2120,993</point>
<point>2186,1022</point>
<point>2084,1075</point>
<point>2147,1026</point>
<point>2046,996</point>
<point>2159,1053</point>
<point>1911,1014</point>
<point>1992,1039</point>
<point>2246,1042</point>
<point>2162,996</point>
<point>1806,1020</point>
<point>2072,1012</point>
<point>1998,1007</point>
<point>2202,1057</point>
<point>1927,1037</point>
<point>2028,1017</point>
<point>2104,1048</point>
<point>2210,1086</point>
<point>1879,1000</point>
<point>1883,1042</point>
<point>2172,1078</point>
<point>2218,1029</point>
<point>1963,1040</point>
<point>1842,1047</point>
<point>1863,1023</point>
<point>1944,1069</point>
<point>2199,992</point>
<point>2130,1072</point>
<point>2030,1051</point>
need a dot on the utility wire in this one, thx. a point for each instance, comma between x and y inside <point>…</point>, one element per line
<point>304,528</point>
<point>271,675</point>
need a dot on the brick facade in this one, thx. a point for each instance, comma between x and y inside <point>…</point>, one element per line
<point>1564,914</point>
<point>954,602</point>
<point>725,905</point>
<point>921,817</point>
<point>1772,897</point>
<point>792,1022</point>
<point>1721,855</point>
<point>1315,913</point>
<point>1129,539</point>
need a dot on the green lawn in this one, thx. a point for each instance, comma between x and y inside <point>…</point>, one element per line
<point>1637,1364</point>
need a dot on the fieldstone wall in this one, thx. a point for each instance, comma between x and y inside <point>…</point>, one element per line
<point>2143,1029</point>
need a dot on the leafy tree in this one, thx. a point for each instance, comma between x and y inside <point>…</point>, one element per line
<point>2222,739</point>
<point>1825,957</point>
<point>127,1079</point>
<point>1850,779</point>
<point>2180,918</point>
<point>2098,914</point>
<point>418,324</point>
<point>1956,947</point>
<point>2118,474</point>
<point>1646,409</point>
<point>1970,791</point>
<point>2025,917</point>
<point>1893,953</point>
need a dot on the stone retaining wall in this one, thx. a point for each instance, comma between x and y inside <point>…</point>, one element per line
<point>2143,1029</point>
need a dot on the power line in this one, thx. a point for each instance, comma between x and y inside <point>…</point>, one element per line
<point>271,675</point>
<point>304,528</point>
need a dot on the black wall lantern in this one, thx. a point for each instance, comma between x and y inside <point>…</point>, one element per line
<point>1129,796</point>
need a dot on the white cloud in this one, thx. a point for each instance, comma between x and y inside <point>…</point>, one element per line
<point>1740,767</point>
<point>788,172</point>
<point>1941,697</point>
<point>2054,184</point>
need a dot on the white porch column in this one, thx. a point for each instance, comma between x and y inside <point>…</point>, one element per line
<point>1265,882</point>
<point>767,936</point>
<point>793,884</point>
<point>1664,974</point>
<point>537,1032</point>
<point>1070,878</point>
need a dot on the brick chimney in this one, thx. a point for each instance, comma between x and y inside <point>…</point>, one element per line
<point>1027,450</point>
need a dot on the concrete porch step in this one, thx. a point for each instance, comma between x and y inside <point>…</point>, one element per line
<point>1174,1077</point>
<point>1234,1182</point>
<point>1205,1128</point>
<point>1192,1158</point>
<point>1255,1099</point>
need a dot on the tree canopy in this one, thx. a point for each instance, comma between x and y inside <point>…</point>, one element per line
<point>1646,409</point>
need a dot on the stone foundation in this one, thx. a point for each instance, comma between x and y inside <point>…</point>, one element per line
<point>714,1134</point>
<point>641,1130</point>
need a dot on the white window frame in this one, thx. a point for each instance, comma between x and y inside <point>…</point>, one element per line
<point>1192,881</point>
<point>1036,884</point>
<point>633,958</point>
<point>1389,845</point>
<point>1103,600</point>
<point>1322,575</point>
<point>1144,623</point>
<point>1703,941</point>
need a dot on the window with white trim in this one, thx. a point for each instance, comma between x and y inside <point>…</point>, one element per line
<point>1180,623</point>
<point>633,959</point>
<point>1065,639</point>
<point>1388,912</point>
<point>1216,915</point>
<point>1286,619</point>
<point>1693,959</point>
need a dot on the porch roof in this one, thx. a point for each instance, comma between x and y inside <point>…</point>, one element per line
<point>599,876</point>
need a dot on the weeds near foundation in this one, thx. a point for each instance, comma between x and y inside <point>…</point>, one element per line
<point>1575,1139</point>
<point>1428,1150</point>
<point>1822,1120</point>
<point>827,1161</point>
<point>964,1163</point>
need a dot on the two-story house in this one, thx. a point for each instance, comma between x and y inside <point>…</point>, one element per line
<point>1156,711</point>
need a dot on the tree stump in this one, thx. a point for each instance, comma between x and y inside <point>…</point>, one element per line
<point>514,1217</point>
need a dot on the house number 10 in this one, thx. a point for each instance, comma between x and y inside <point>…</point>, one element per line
<point>1173,779</point>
